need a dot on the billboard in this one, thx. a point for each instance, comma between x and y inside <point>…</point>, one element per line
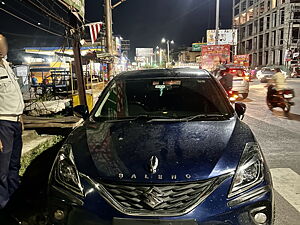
<point>143,52</point>
<point>226,37</point>
<point>118,42</point>
<point>214,55</point>
<point>76,6</point>
<point>243,60</point>
<point>196,47</point>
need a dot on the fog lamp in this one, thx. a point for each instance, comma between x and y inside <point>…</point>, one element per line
<point>260,218</point>
<point>59,214</point>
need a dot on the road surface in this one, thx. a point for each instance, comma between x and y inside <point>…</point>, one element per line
<point>279,137</point>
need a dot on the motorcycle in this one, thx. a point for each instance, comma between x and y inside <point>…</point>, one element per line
<point>282,98</point>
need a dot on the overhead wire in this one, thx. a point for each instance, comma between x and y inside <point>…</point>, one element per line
<point>25,35</point>
<point>58,5</point>
<point>32,10</point>
<point>49,13</point>
<point>32,24</point>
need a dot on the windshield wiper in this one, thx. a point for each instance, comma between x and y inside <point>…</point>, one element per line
<point>139,117</point>
<point>191,118</point>
<point>205,116</point>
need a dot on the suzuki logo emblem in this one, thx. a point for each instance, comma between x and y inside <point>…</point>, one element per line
<point>153,197</point>
<point>153,164</point>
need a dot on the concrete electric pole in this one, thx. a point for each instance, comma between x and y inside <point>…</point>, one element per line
<point>109,38</point>
<point>109,32</point>
<point>217,21</point>
<point>79,70</point>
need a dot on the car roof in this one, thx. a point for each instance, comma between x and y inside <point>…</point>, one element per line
<point>164,73</point>
<point>234,66</point>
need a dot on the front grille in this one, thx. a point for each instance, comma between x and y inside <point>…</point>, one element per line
<point>158,199</point>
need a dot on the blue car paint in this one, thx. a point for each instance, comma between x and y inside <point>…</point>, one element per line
<point>182,148</point>
<point>213,210</point>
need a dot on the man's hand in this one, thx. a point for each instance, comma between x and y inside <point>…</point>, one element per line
<point>22,122</point>
<point>1,146</point>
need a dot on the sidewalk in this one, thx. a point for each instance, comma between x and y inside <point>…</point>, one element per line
<point>32,140</point>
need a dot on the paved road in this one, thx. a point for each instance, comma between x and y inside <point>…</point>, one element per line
<point>279,136</point>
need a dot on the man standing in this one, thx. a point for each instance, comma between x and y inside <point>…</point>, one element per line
<point>11,108</point>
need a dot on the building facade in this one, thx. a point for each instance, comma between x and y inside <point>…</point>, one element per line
<point>188,56</point>
<point>268,30</point>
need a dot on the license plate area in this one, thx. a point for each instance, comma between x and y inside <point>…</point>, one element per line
<point>125,221</point>
<point>288,96</point>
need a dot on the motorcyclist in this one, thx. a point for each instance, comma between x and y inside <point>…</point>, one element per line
<point>279,81</point>
<point>226,79</point>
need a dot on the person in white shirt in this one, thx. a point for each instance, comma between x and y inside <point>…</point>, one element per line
<point>11,109</point>
<point>279,80</point>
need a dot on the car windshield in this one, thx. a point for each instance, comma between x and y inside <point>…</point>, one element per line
<point>162,99</point>
<point>267,70</point>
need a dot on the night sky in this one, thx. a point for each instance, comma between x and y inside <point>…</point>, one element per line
<point>143,22</point>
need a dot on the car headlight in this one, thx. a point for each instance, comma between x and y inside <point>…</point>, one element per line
<point>65,172</point>
<point>250,171</point>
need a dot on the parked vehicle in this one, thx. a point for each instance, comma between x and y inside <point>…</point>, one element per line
<point>280,98</point>
<point>266,73</point>
<point>161,147</point>
<point>240,79</point>
<point>296,72</point>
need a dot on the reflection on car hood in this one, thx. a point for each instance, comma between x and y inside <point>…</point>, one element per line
<point>186,151</point>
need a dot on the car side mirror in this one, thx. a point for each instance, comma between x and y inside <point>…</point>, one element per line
<point>81,111</point>
<point>240,109</point>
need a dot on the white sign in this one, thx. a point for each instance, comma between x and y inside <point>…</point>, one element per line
<point>226,37</point>
<point>144,52</point>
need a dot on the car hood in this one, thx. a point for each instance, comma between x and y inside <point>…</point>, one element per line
<point>185,151</point>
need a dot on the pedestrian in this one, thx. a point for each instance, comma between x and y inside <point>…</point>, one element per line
<point>226,80</point>
<point>253,73</point>
<point>11,108</point>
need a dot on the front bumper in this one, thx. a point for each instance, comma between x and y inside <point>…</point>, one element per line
<point>243,89</point>
<point>215,209</point>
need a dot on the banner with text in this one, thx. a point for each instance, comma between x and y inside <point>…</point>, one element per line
<point>214,55</point>
<point>242,60</point>
<point>226,37</point>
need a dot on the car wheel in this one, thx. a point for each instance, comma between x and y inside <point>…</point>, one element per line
<point>245,95</point>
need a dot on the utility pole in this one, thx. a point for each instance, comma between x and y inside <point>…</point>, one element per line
<point>78,70</point>
<point>217,21</point>
<point>160,57</point>
<point>168,51</point>
<point>76,34</point>
<point>109,38</point>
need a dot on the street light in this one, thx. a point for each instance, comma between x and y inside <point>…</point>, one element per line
<point>158,52</point>
<point>168,47</point>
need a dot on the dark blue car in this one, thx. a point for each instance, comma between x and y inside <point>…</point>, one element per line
<point>161,147</point>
